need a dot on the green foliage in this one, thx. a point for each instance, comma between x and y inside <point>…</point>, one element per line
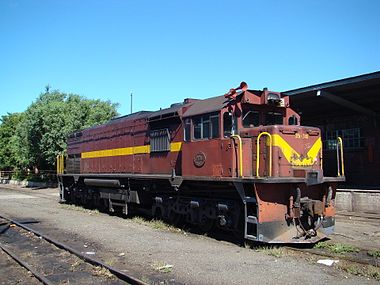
<point>35,137</point>
<point>374,253</point>
<point>338,248</point>
<point>8,137</point>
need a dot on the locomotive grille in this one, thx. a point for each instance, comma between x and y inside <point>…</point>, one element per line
<point>159,140</point>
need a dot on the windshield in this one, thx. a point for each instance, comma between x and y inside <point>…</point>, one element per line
<point>251,119</point>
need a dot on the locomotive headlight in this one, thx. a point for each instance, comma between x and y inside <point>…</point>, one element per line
<point>274,98</point>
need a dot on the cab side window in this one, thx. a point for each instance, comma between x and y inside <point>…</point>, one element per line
<point>205,127</point>
<point>187,128</point>
<point>227,124</point>
<point>293,120</point>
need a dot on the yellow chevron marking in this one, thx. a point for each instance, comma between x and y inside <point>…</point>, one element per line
<point>144,149</point>
<point>293,157</point>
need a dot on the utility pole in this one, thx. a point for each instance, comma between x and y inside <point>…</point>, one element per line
<point>131,101</point>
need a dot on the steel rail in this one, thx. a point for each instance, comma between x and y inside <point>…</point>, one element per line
<point>118,273</point>
<point>26,266</point>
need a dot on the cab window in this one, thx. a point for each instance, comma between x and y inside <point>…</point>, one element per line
<point>206,126</point>
<point>273,118</point>
<point>187,129</point>
<point>227,124</point>
<point>293,120</point>
<point>251,119</point>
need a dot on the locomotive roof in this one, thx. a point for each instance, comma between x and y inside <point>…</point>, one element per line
<point>132,116</point>
<point>167,112</point>
<point>206,106</point>
<point>213,104</point>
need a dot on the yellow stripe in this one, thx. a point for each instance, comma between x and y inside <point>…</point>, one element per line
<point>174,147</point>
<point>144,149</point>
<point>293,157</point>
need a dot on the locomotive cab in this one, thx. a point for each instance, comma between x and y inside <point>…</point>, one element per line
<point>256,139</point>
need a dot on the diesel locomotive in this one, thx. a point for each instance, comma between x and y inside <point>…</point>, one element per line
<point>241,162</point>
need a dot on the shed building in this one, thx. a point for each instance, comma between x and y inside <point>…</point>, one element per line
<point>349,108</point>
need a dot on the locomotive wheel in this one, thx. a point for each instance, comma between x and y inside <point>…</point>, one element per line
<point>175,219</point>
<point>206,225</point>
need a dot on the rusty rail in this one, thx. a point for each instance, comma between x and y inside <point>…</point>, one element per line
<point>118,273</point>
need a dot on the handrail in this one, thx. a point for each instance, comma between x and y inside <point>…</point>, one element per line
<point>341,161</point>
<point>60,164</point>
<point>240,154</point>
<point>258,153</point>
<point>321,152</point>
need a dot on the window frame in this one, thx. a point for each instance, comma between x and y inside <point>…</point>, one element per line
<point>202,121</point>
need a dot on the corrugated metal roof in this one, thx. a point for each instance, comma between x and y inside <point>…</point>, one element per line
<point>341,83</point>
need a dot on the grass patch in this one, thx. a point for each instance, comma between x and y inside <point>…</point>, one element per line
<point>155,224</point>
<point>374,253</point>
<point>79,209</point>
<point>338,248</point>
<point>272,251</point>
<point>368,271</point>
<point>162,267</point>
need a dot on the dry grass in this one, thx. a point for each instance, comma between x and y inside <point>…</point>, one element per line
<point>368,271</point>
<point>76,264</point>
<point>155,224</point>
<point>102,272</point>
<point>79,209</point>
<point>162,267</point>
<point>272,251</point>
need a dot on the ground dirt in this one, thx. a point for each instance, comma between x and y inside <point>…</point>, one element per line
<point>140,249</point>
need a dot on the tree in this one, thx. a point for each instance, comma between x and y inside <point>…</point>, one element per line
<point>9,157</point>
<point>42,133</point>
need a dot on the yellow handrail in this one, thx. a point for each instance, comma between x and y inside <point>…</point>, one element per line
<point>57,164</point>
<point>340,143</point>
<point>60,164</point>
<point>240,154</point>
<point>258,153</point>
<point>63,164</point>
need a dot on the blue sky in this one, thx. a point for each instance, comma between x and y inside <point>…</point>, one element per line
<point>165,51</point>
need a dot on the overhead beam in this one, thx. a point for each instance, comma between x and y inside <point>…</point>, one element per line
<point>345,103</point>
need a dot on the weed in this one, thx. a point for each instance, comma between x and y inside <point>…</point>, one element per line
<point>272,250</point>
<point>110,262</point>
<point>29,254</point>
<point>79,209</point>
<point>155,224</point>
<point>76,264</point>
<point>368,271</point>
<point>101,271</point>
<point>374,253</point>
<point>338,248</point>
<point>162,267</point>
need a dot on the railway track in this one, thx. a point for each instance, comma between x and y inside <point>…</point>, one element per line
<point>52,262</point>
